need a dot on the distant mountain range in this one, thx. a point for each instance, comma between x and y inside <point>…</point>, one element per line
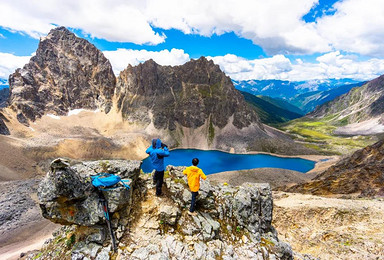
<point>305,95</point>
<point>270,110</point>
<point>358,112</point>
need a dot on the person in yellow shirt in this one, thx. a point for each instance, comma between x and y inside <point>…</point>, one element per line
<point>194,174</point>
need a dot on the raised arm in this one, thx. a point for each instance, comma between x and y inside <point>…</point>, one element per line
<point>163,152</point>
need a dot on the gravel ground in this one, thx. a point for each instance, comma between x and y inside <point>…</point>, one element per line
<point>21,222</point>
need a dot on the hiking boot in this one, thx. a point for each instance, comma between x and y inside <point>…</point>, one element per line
<point>192,213</point>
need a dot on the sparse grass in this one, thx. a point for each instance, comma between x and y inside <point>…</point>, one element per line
<point>70,241</point>
<point>211,131</point>
<point>104,165</point>
<point>319,136</point>
<point>179,181</point>
<point>38,255</point>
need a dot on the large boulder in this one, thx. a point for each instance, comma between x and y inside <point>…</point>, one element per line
<point>226,211</point>
<point>67,196</point>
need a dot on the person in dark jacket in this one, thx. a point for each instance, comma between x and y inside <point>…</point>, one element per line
<point>157,151</point>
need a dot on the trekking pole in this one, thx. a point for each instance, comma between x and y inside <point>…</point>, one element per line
<point>104,204</point>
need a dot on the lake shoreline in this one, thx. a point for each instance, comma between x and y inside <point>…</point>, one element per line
<point>216,161</point>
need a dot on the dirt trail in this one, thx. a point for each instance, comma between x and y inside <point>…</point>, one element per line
<point>330,228</point>
<point>27,238</point>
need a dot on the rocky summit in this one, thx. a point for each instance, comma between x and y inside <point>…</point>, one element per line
<point>361,173</point>
<point>66,73</point>
<point>189,95</point>
<point>232,222</point>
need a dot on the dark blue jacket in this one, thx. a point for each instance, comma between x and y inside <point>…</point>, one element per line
<point>157,154</point>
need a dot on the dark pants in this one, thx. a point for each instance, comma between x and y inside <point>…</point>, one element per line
<point>158,178</point>
<point>193,201</point>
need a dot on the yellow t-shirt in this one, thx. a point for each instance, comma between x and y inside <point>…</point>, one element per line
<point>194,173</point>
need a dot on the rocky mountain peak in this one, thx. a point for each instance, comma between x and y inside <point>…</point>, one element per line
<point>188,95</point>
<point>66,73</point>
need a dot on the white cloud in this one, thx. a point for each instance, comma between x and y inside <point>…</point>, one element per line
<point>330,65</point>
<point>357,26</point>
<point>9,63</point>
<point>276,25</point>
<point>116,20</point>
<point>122,57</point>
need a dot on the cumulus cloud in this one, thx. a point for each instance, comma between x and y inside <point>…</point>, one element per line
<point>240,69</point>
<point>122,57</point>
<point>330,65</point>
<point>276,25</point>
<point>9,63</point>
<point>356,26</point>
<point>117,20</point>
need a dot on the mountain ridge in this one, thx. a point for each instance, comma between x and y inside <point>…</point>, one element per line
<point>193,105</point>
<point>360,111</point>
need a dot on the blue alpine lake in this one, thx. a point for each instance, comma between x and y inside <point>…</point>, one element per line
<point>217,161</point>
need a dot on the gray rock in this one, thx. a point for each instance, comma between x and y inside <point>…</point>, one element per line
<point>140,253</point>
<point>77,256</point>
<point>89,249</point>
<point>169,214</point>
<point>104,254</point>
<point>200,250</point>
<point>68,197</point>
<point>97,234</point>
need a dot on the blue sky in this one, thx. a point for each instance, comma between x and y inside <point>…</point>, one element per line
<point>249,39</point>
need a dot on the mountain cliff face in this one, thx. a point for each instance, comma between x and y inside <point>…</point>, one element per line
<point>4,94</point>
<point>189,95</point>
<point>66,73</point>
<point>361,104</point>
<point>360,173</point>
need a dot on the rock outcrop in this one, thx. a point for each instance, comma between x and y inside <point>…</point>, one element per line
<point>67,196</point>
<point>361,173</point>
<point>3,127</point>
<point>232,222</point>
<point>66,73</point>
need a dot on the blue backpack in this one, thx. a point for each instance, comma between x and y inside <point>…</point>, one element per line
<point>108,181</point>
